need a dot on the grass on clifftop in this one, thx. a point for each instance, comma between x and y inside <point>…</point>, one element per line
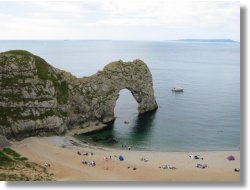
<point>17,52</point>
<point>42,68</point>
<point>41,64</point>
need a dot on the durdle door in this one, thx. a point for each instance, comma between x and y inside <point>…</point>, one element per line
<point>38,99</point>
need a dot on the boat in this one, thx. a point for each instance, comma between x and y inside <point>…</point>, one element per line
<point>177,89</point>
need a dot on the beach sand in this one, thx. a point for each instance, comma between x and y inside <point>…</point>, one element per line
<point>61,154</point>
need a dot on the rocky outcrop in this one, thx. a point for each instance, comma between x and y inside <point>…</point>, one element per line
<point>4,142</point>
<point>38,99</point>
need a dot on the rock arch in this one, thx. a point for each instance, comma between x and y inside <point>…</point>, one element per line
<point>37,99</point>
<point>102,89</point>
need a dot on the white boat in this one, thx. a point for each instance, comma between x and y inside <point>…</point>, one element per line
<point>177,89</point>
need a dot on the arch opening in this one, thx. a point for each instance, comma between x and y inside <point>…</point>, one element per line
<point>125,106</point>
<point>130,128</point>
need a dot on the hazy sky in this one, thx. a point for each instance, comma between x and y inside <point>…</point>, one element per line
<point>119,20</point>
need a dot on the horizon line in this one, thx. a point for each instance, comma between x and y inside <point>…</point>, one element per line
<point>180,39</point>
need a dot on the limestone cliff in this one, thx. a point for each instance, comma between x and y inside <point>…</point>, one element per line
<point>38,99</point>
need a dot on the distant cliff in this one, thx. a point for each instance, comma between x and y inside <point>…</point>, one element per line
<point>208,40</point>
<point>38,99</point>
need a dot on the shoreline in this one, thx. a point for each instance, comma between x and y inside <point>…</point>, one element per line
<point>61,153</point>
<point>134,148</point>
<point>116,147</point>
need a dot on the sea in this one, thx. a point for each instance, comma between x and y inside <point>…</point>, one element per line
<point>205,116</point>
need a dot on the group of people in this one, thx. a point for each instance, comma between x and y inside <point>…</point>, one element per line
<point>167,166</point>
<point>202,166</point>
<point>90,163</point>
<point>106,158</point>
<point>144,159</point>
<point>198,157</point>
<point>134,168</point>
<point>85,154</point>
<point>125,146</point>
<point>195,157</point>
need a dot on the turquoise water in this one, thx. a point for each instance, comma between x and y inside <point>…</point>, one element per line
<point>206,116</point>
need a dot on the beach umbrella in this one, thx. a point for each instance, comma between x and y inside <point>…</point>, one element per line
<point>231,157</point>
<point>121,158</point>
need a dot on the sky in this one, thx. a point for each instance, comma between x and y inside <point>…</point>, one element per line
<point>119,20</point>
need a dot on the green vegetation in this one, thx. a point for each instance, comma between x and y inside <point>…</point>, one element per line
<point>89,95</point>
<point>9,158</point>
<point>9,81</point>
<point>13,82</point>
<point>44,72</point>
<point>8,112</point>
<point>5,160</point>
<point>62,92</point>
<point>41,65</point>
<point>2,60</point>
<point>15,114</point>
<point>52,112</point>
<point>14,154</point>
<point>12,177</point>
<point>42,68</point>
<point>11,152</point>
<point>18,52</point>
<point>14,167</point>
<point>17,98</point>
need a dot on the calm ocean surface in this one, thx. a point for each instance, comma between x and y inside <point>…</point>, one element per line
<point>206,116</point>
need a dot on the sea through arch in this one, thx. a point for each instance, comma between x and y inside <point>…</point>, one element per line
<point>126,108</point>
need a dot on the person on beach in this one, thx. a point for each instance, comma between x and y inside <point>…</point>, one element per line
<point>92,163</point>
<point>237,170</point>
<point>46,164</point>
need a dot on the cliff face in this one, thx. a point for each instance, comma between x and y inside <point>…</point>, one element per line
<point>38,99</point>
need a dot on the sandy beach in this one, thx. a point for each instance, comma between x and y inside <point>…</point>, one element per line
<point>66,164</point>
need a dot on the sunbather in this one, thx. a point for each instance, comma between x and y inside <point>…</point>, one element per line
<point>202,166</point>
<point>167,166</point>
<point>144,159</point>
<point>84,162</point>
<point>195,157</point>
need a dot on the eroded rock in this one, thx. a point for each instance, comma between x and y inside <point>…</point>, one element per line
<point>36,98</point>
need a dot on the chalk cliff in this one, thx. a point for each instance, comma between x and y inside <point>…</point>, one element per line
<point>38,99</point>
